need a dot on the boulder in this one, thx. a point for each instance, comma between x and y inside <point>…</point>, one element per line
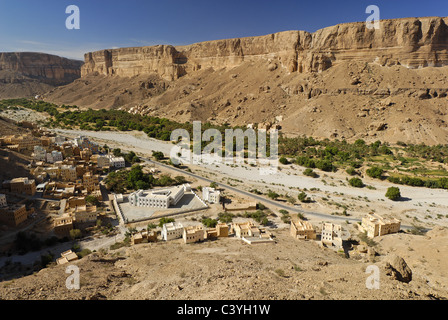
<point>398,269</point>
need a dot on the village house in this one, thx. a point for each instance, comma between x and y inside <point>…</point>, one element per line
<point>193,234</point>
<point>211,195</point>
<point>143,236</point>
<point>302,230</point>
<point>333,235</point>
<point>66,257</point>
<point>54,156</point>
<point>251,234</point>
<point>376,225</point>
<point>13,215</point>
<point>68,173</point>
<point>40,154</point>
<point>116,162</point>
<point>62,226</point>
<point>172,230</point>
<point>21,186</point>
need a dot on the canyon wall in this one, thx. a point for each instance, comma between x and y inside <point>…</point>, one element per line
<point>412,42</point>
<point>49,69</point>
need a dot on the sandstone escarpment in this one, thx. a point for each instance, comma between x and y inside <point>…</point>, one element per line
<point>411,42</point>
<point>49,69</point>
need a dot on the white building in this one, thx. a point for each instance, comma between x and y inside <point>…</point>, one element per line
<point>116,162</point>
<point>163,198</point>
<point>172,230</point>
<point>3,202</point>
<point>211,195</point>
<point>54,156</point>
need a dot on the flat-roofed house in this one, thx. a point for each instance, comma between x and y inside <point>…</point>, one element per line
<point>302,230</point>
<point>172,230</point>
<point>13,215</point>
<point>23,186</point>
<point>62,226</point>
<point>333,235</point>
<point>211,195</point>
<point>66,257</point>
<point>376,225</point>
<point>193,234</point>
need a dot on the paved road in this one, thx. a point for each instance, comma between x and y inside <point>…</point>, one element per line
<point>264,200</point>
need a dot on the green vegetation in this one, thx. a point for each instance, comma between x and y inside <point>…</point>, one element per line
<point>165,220</point>
<point>310,173</point>
<point>283,160</point>
<point>393,193</point>
<point>135,179</point>
<point>375,172</point>
<point>356,182</point>
<point>158,155</point>
<point>209,222</point>
<point>75,234</point>
<point>303,197</point>
<point>259,216</point>
<point>325,155</point>
<point>273,195</point>
<point>225,217</point>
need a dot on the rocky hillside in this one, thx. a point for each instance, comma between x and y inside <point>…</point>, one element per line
<point>344,81</point>
<point>25,74</point>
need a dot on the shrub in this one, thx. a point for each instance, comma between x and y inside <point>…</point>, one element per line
<point>283,160</point>
<point>356,182</point>
<point>393,193</point>
<point>351,171</point>
<point>310,173</point>
<point>164,220</point>
<point>209,222</point>
<point>375,172</point>
<point>303,197</point>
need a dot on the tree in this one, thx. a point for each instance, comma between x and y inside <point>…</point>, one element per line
<point>92,200</point>
<point>356,182</point>
<point>209,222</point>
<point>303,197</point>
<point>213,185</point>
<point>310,173</point>
<point>393,193</point>
<point>158,155</point>
<point>273,195</point>
<point>375,172</point>
<point>75,234</point>
<point>283,160</point>
<point>165,220</point>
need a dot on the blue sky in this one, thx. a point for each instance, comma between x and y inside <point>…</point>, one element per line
<point>39,25</point>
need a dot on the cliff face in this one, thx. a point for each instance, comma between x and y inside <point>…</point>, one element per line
<point>412,42</point>
<point>49,69</point>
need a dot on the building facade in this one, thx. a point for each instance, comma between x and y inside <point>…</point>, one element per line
<point>211,195</point>
<point>163,198</point>
<point>172,230</point>
<point>376,225</point>
<point>302,230</point>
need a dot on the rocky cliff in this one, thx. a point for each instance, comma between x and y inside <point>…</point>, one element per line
<point>411,42</point>
<point>49,69</point>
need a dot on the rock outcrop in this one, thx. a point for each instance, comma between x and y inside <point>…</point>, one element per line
<point>411,42</point>
<point>398,269</point>
<point>16,67</point>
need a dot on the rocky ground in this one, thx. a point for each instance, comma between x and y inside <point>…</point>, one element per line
<point>230,269</point>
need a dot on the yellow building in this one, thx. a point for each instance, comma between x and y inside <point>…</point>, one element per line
<point>302,230</point>
<point>68,173</point>
<point>193,234</point>
<point>376,225</point>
